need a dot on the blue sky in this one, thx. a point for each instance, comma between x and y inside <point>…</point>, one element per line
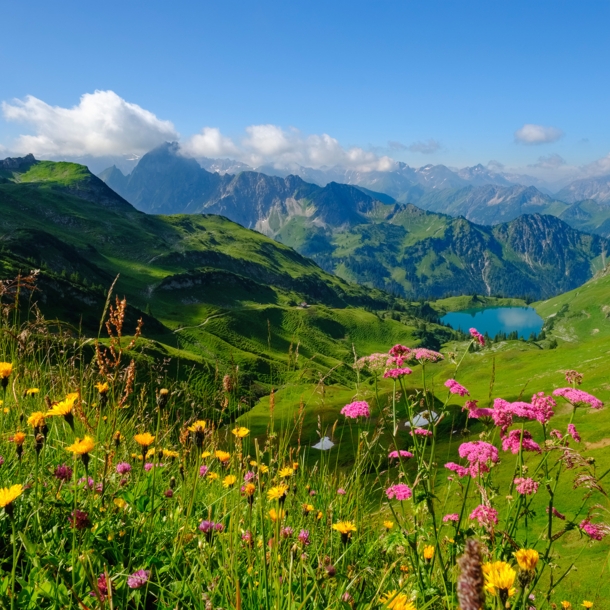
<point>453,79</point>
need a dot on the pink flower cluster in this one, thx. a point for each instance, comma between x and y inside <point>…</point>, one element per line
<point>485,515</point>
<point>374,363</point>
<point>359,408</point>
<point>474,412</point>
<point>400,492</point>
<point>595,532</point>
<point>527,486</point>
<point>479,455</point>
<point>451,517</point>
<point>578,397</point>
<point>400,454</point>
<point>396,373</point>
<point>515,440</point>
<point>477,336</point>
<point>421,354</point>
<point>574,433</point>
<point>542,407</point>
<point>456,388</point>
<point>421,432</point>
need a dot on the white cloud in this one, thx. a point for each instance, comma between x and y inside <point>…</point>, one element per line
<point>210,143</point>
<point>271,144</point>
<point>426,148</point>
<point>550,162</point>
<point>101,124</point>
<point>537,134</point>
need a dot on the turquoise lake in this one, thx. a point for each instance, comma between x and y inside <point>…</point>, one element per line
<point>493,320</point>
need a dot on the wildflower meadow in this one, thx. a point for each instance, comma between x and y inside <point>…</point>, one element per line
<point>119,489</point>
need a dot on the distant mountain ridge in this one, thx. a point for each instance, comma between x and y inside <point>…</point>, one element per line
<point>373,239</point>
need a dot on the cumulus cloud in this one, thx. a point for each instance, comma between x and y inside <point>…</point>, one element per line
<point>101,124</point>
<point>271,144</point>
<point>537,134</point>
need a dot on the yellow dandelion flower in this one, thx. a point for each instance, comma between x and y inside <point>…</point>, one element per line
<point>169,453</point>
<point>205,454</point>
<point>145,439</point>
<point>150,453</point>
<point>345,527</point>
<point>83,447</point>
<point>240,432</point>
<point>277,493</point>
<point>10,494</point>
<point>388,524</point>
<point>6,368</point>
<point>262,468</point>
<point>62,408</point>
<point>36,420</point>
<point>198,426</point>
<point>32,391</point>
<point>249,489</point>
<point>319,515</point>
<point>19,438</point>
<point>120,503</point>
<point>396,601</point>
<point>229,480</point>
<point>274,515</point>
<point>72,397</point>
<point>428,552</point>
<point>102,388</point>
<point>566,605</point>
<point>286,472</point>
<point>587,604</point>
<point>212,476</point>
<point>295,465</point>
<point>527,559</point>
<point>499,578</point>
<point>222,456</point>
<point>253,463</point>
<point>308,508</point>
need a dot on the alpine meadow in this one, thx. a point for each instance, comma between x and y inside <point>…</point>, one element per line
<point>299,347</point>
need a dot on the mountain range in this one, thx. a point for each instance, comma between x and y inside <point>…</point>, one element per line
<point>373,239</point>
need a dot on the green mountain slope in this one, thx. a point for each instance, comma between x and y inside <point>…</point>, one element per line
<point>214,288</point>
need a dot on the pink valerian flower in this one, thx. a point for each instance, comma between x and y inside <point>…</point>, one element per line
<point>396,373</point>
<point>286,532</point>
<point>374,363</point>
<point>148,466</point>
<point>400,454</point>
<point>461,471</point>
<point>504,412</point>
<point>341,491</point>
<point>421,432</point>
<point>556,434</point>
<point>138,579</point>
<point>451,517</point>
<point>527,486</point>
<point>574,433</point>
<point>595,532</point>
<point>485,515</point>
<point>578,397</point>
<point>513,441</point>
<point>477,336</point>
<point>474,412</point>
<point>359,408</point>
<point>400,492</point>
<point>421,354</point>
<point>400,350</point>
<point>203,470</point>
<point>542,407</point>
<point>456,388</point>
<point>556,513</point>
<point>479,455</point>
<point>249,476</point>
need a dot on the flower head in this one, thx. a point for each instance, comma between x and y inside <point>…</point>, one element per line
<point>359,408</point>
<point>499,579</point>
<point>388,525</point>
<point>345,528</point>
<point>198,426</point>
<point>138,579</point>
<point>400,454</point>
<point>83,447</point>
<point>278,492</point>
<point>526,486</point>
<point>79,519</point>
<point>32,391</point>
<point>229,481</point>
<point>286,472</point>
<point>222,456</point>
<point>37,420</point>
<point>146,439</point>
<point>63,473</point>
<point>274,515</point>
<point>9,494</point>
<point>578,397</point>
<point>6,368</point>
<point>102,388</point>
<point>19,438</point>
<point>400,492</point>
<point>477,336</point>
<point>527,559</point>
<point>63,407</point>
<point>485,515</point>
<point>428,552</point>
<point>240,432</point>
<point>456,388</point>
<point>393,600</point>
<point>397,372</point>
